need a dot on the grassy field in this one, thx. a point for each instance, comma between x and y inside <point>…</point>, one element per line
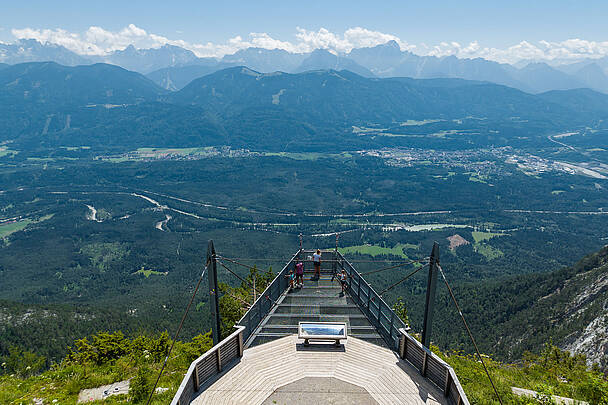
<point>374,250</point>
<point>482,236</point>
<point>12,227</point>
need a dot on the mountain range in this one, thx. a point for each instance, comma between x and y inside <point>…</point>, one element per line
<point>173,67</point>
<point>107,106</point>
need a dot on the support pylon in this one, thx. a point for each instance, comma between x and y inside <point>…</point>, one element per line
<point>431,288</point>
<point>214,299</point>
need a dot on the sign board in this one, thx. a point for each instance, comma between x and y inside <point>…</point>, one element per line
<point>322,331</point>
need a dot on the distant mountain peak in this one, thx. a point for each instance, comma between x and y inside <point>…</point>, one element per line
<point>392,44</point>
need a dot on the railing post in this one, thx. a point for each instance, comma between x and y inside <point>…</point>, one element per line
<point>425,358</point>
<point>448,380</point>
<point>218,353</point>
<point>335,265</point>
<point>431,287</point>
<point>213,293</point>
<point>359,289</point>
<point>195,380</point>
<point>260,310</point>
<point>240,344</point>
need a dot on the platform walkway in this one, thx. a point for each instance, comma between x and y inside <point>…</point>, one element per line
<point>319,300</point>
<point>265,368</point>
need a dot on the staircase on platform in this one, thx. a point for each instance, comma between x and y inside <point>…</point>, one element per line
<point>319,300</point>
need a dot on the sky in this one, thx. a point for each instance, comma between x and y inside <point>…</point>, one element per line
<point>505,31</point>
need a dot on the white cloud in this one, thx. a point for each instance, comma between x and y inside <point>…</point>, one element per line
<point>99,41</point>
<point>569,50</point>
<point>353,38</point>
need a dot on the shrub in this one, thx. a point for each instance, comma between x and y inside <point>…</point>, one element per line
<point>140,386</point>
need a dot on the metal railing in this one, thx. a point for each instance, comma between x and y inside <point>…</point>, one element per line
<point>264,303</point>
<point>379,313</point>
<point>208,365</point>
<point>432,368</point>
<point>392,329</point>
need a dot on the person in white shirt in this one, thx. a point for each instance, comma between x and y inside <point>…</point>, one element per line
<point>316,260</point>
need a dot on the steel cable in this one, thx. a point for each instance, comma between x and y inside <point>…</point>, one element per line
<point>393,267</point>
<point>177,334</point>
<point>255,293</point>
<point>402,280</point>
<point>469,332</point>
<point>243,280</point>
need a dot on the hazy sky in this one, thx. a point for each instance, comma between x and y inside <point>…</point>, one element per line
<point>219,27</point>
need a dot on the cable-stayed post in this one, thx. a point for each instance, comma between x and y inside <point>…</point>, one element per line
<point>431,288</point>
<point>214,303</point>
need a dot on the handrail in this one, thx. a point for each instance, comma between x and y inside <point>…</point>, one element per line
<point>379,313</point>
<point>208,365</point>
<point>392,329</point>
<point>432,367</point>
<point>278,285</point>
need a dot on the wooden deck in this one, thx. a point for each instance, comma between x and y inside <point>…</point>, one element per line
<point>265,368</point>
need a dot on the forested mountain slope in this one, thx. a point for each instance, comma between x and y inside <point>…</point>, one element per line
<point>568,307</point>
<point>339,96</point>
<point>107,107</point>
<point>50,84</point>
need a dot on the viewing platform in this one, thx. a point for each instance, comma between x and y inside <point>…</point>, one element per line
<point>264,362</point>
<point>287,372</point>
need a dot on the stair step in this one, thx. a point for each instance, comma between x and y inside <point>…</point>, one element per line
<point>316,291</point>
<point>291,319</point>
<point>318,308</point>
<point>307,299</point>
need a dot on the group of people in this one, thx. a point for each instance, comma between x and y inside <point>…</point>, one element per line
<point>296,275</point>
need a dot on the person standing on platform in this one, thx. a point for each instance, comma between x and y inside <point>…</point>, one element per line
<point>316,261</point>
<point>343,278</point>
<point>299,274</point>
